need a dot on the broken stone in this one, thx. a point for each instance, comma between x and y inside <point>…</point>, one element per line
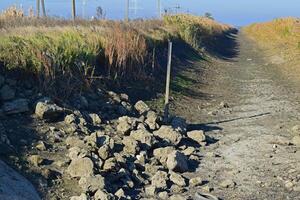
<point>48,111</point>
<point>177,197</point>
<point>95,119</point>
<point>41,146</point>
<point>143,136</point>
<point>81,167</point>
<point>104,152</point>
<point>189,151</point>
<point>162,154</point>
<point>198,136</point>
<point>16,106</point>
<point>194,182</point>
<point>169,134</point>
<point>163,195</point>
<point>177,162</point>
<point>36,160</point>
<point>81,197</point>
<point>73,141</point>
<point>120,194</point>
<point>69,119</point>
<point>141,107</point>
<point>77,152</point>
<point>296,140</point>
<point>228,183</point>
<point>103,195</point>
<point>92,183</point>
<point>151,191</point>
<point>151,120</point>
<point>125,125</point>
<point>177,179</point>
<point>110,164</point>
<point>159,180</point>
<point>131,146</point>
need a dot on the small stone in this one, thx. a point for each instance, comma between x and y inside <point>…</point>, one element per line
<point>77,152</point>
<point>110,164</point>
<point>194,182</point>
<point>198,136</point>
<point>81,167</point>
<point>206,188</point>
<point>228,183</point>
<point>177,162</point>
<point>189,151</point>
<point>81,197</point>
<point>177,179</point>
<point>95,119</point>
<point>141,107</point>
<point>103,195</point>
<point>143,136</point>
<point>177,197</point>
<point>289,184</point>
<point>169,134</point>
<point>163,195</point>
<point>36,160</point>
<point>176,189</point>
<point>125,125</point>
<point>296,130</point>
<point>92,183</point>
<point>130,145</point>
<point>41,146</point>
<point>150,191</point>
<point>48,111</point>
<point>151,120</point>
<point>69,119</point>
<point>159,180</point>
<point>120,194</point>
<point>296,140</point>
<point>74,141</point>
<point>162,154</point>
<point>104,152</point>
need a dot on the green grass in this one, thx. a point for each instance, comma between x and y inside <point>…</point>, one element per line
<point>67,57</point>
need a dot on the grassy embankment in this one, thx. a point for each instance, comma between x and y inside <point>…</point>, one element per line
<point>65,57</point>
<point>280,39</point>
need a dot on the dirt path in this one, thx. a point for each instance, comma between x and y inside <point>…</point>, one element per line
<point>252,153</point>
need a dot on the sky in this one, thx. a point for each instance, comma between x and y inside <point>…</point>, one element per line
<point>235,12</point>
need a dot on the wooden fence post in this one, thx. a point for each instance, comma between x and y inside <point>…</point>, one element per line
<point>168,79</point>
<point>127,11</point>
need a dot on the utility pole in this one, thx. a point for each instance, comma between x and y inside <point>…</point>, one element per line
<point>74,9</point>
<point>127,11</point>
<point>159,9</point>
<point>38,8</point>
<point>43,8</point>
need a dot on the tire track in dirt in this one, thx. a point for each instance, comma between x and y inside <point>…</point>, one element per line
<point>252,155</point>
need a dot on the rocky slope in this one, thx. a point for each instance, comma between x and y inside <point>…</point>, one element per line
<point>97,145</point>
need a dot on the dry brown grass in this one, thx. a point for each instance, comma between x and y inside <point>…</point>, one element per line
<point>280,40</point>
<point>65,54</point>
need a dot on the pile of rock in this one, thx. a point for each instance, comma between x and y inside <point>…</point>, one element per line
<point>11,101</point>
<point>133,156</point>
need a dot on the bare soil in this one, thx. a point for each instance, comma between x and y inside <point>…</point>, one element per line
<point>251,144</point>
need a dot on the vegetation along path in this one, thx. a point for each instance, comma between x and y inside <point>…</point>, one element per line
<point>252,113</point>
